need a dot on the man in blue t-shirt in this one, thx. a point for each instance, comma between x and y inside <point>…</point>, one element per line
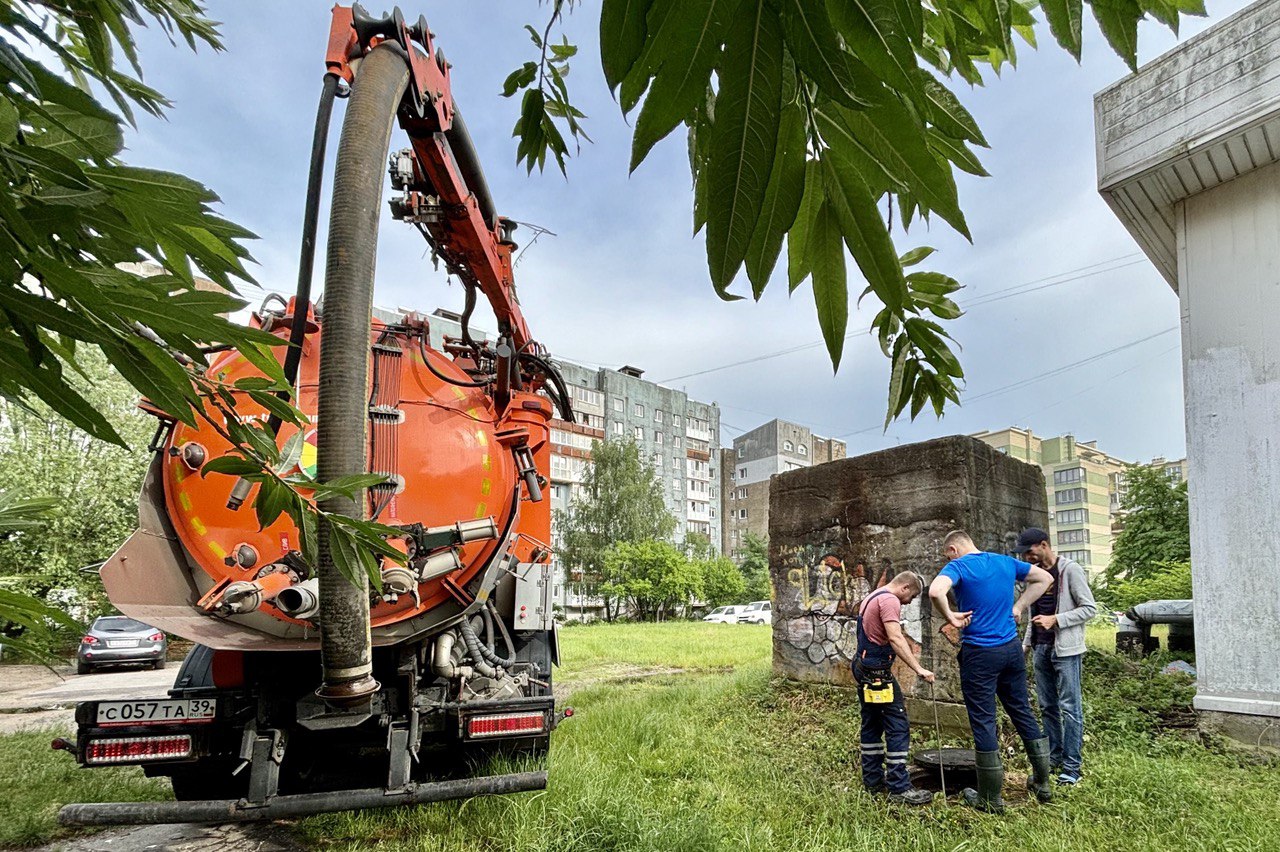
<point>991,660</point>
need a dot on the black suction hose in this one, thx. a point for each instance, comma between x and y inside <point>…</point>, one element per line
<point>310,219</point>
<point>306,260</point>
<point>342,411</point>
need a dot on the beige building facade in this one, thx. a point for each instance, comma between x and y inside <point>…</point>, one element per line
<point>746,468</point>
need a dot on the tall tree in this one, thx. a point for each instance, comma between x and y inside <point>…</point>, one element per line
<point>92,483</point>
<point>27,624</point>
<point>620,501</point>
<point>754,565</point>
<point>653,578</point>
<point>1157,526</point>
<point>722,582</point>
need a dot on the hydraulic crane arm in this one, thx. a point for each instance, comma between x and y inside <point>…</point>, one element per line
<point>444,191</point>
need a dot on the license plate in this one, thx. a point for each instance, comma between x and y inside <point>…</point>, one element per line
<point>192,710</point>
<point>122,643</point>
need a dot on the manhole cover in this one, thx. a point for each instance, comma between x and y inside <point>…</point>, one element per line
<point>950,759</point>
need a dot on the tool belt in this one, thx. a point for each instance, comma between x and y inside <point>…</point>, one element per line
<point>876,685</point>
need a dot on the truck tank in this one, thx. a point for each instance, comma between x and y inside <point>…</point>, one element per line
<point>307,692</point>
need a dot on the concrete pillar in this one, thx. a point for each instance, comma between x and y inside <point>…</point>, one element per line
<point>1188,153</point>
<point>835,528</point>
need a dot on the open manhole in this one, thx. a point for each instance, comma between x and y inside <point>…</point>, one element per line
<point>958,765</point>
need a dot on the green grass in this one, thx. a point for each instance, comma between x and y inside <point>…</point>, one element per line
<point>36,781</point>
<point>723,756</point>
<point>609,651</point>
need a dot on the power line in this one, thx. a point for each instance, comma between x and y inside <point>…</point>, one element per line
<point>1025,287</point>
<point>1022,383</point>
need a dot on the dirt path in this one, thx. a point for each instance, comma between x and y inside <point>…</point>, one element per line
<point>36,697</point>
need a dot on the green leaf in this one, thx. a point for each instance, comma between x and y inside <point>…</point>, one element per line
<point>897,385</point>
<point>865,231</point>
<point>934,283</point>
<point>8,121</point>
<point>622,37</point>
<point>830,285</point>
<point>781,200</point>
<point>798,260</point>
<point>957,152</point>
<point>692,38</point>
<point>291,452</point>
<point>1065,17</point>
<point>911,258</point>
<point>871,29</point>
<point>929,337</point>
<point>812,42</point>
<point>945,112</point>
<point>997,16</point>
<point>273,498</point>
<point>889,136</point>
<point>744,137</point>
<point>1118,20</point>
<point>519,78</point>
<point>75,134</point>
<point>231,465</point>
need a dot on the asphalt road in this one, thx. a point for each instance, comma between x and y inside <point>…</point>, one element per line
<point>37,697</point>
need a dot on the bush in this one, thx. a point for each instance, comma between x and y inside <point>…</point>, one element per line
<point>1166,581</point>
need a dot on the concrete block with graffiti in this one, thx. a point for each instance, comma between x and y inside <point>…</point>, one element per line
<point>839,530</point>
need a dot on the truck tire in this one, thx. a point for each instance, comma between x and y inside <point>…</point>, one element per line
<point>196,670</point>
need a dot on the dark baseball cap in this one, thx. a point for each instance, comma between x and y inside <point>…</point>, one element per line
<point>1029,538</point>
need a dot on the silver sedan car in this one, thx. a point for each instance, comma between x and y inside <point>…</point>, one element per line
<point>120,640</point>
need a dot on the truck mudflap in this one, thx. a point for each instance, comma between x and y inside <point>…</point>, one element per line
<point>280,807</point>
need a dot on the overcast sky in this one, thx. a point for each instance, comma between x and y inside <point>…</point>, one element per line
<point>625,282</point>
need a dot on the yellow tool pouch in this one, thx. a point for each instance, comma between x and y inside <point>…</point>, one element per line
<point>878,692</point>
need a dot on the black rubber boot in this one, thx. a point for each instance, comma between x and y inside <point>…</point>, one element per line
<point>912,796</point>
<point>1041,780</point>
<point>990,781</point>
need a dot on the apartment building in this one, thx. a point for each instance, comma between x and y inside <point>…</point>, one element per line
<point>1084,485</point>
<point>678,436</point>
<point>747,466</point>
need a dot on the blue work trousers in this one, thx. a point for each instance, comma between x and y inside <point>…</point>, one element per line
<point>886,740</point>
<point>1058,691</point>
<point>990,673</point>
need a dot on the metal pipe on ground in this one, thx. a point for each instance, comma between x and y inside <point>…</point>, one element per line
<point>281,807</point>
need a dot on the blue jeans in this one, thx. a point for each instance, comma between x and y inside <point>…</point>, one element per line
<point>1058,691</point>
<point>990,673</point>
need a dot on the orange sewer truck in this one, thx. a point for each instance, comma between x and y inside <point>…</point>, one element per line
<point>305,692</point>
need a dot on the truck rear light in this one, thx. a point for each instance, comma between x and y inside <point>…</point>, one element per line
<point>137,749</point>
<point>506,724</point>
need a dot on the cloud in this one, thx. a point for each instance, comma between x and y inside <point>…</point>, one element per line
<point>624,280</point>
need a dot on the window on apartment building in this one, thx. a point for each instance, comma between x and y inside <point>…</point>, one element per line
<point>788,446</point>
<point>741,452</point>
<point>1073,537</point>
<point>617,403</point>
<point>639,410</point>
<point>658,460</point>
<point>712,513</point>
<point>1069,495</point>
<point>657,415</point>
<point>638,432</point>
<point>1080,556</point>
<point>742,514</point>
<point>1174,472</point>
<point>617,427</point>
<point>1066,477</point>
<point>675,420</point>
<point>742,493</point>
<point>676,441</point>
<point>802,450</point>
<point>588,396</point>
<point>1073,516</point>
<point>657,436</point>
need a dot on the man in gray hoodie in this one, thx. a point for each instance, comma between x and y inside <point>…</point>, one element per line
<point>1056,635</point>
